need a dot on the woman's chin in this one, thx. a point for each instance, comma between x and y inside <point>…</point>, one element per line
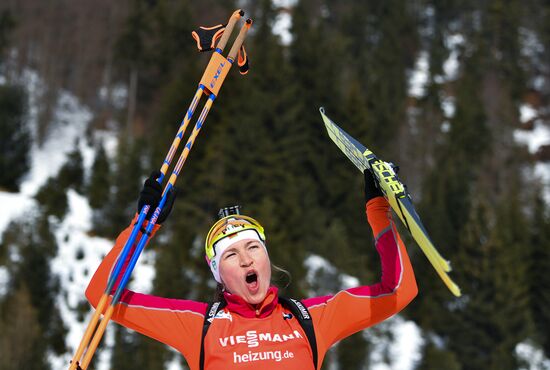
<point>255,294</point>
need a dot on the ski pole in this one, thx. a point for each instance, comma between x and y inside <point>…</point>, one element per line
<point>145,237</point>
<point>214,86</point>
<point>142,214</point>
<point>166,163</point>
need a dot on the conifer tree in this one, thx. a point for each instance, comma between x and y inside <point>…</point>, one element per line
<point>7,23</point>
<point>33,241</point>
<point>21,343</point>
<point>352,352</point>
<point>434,358</point>
<point>53,194</point>
<point>393,42</point>
<point>133,350</point>
<point>170,45</point>
<point>316,176</point>
<point>488,322</point>
<point>99,191</point>
<point>100,179</point>
<point>15,141</point>
<point>72,173</point>
<point>127,183</point>
<point>53,199</point>
<point>130,52</point>
<point>538,271</point>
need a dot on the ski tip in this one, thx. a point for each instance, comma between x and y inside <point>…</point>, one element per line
<point>322,110</point>
<point>455,290</point>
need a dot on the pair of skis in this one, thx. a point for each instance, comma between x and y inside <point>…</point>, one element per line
<point>396,194</point>
<point>210,84</point>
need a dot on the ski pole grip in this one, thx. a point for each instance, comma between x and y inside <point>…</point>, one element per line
<point>237,14</point>
<point>239,41</point>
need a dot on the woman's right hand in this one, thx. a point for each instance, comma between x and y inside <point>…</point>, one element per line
<point>151,194</point>
<point>371,187</point>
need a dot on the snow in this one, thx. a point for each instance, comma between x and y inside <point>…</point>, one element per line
<point>534,139</point>
<point>532,356</point>
<point>531,45</point>
<point>448,106</point>
<point>283,21</point>
<point>70,122</point>
<point>420,75</point>
<point>75,273</point>
<point>314,263</point>
<point>404,352</point>
<point>527,113</point>
<point>117,96</point>
<point>451,65</point>
<point>78,252</point>
<point>14,205</point>
<point>4,280</point>
<point>175,362</point>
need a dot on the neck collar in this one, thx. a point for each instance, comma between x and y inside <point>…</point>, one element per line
<point>238,305</point>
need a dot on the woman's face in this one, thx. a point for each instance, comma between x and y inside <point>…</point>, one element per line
<point>245,270</point>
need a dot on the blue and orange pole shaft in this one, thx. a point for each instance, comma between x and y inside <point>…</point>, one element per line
<point>210,84</point>
<point>133,236</point>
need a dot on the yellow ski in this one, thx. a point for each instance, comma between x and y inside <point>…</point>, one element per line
<point>396,194</point>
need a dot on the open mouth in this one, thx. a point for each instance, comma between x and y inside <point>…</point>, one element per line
<point>251,277</point>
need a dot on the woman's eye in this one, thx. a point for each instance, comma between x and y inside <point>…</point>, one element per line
<point>228,255</point>
<point>253,246</point>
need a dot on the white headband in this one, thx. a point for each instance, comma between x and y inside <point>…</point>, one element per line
<point>221,246</point>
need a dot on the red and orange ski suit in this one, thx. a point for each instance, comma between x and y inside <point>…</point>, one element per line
<point>266,336</point>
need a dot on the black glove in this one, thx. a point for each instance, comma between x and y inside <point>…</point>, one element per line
<point>151,194</point>
<point>371,187</point>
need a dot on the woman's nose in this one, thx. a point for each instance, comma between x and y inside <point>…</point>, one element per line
<point>246,260</point>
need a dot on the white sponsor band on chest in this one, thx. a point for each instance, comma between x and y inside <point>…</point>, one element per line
<point>252,338</point>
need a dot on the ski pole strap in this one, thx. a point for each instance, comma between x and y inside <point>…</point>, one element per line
<point>297,308</point>
<point>242,61</point>
<point>211,312</point>
<point>206,37</point>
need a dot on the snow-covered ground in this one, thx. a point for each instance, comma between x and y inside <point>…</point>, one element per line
<point>78,252</point>
<point>532,356</point>
<point>78,255</point>
<point>283,21</point>
<point>534,139</point>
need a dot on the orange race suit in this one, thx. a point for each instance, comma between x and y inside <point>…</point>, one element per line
<point>266,336</point>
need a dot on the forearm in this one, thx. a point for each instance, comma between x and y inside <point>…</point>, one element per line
<point>353,309</point>
<point>99,280</point>
<point>397,272</point>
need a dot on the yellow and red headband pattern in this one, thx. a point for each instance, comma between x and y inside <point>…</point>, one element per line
<point>227,231</point>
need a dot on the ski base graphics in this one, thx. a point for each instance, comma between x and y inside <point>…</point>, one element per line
<point>395,192</point>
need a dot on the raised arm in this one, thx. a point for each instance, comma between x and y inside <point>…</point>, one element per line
<point>175,322</point>
<point>351,310</point>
